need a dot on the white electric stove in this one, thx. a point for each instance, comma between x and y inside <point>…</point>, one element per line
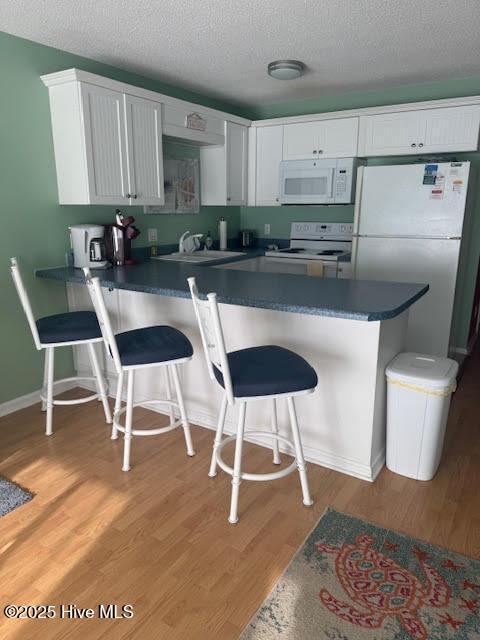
<point>326,241</point>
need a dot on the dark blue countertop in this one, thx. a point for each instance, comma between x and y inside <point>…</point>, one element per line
<point>352,299</point>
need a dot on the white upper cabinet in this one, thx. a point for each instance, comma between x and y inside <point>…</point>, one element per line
<point>107,138</point>
<point>108,146</point>
<point>389,134</point>
<point>335,138</point>
<point>236,154</point>
<point>105,147</point>
<point>300,140</point>
<point>422,131</point>
<point>268,157</point>
<point>144,150</point>
<point>223,169</point>
<point>450,129</point>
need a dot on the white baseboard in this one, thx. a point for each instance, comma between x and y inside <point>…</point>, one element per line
<point>203,419</point>
<point>312,454</point>
<point>22,402</point>
<point>466,351</point>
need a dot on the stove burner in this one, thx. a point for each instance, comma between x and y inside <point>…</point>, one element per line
<point>293,250</point>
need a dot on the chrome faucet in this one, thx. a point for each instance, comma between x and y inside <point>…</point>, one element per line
<point>189,244</point>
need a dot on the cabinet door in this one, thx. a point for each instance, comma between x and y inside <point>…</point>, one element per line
<point>338,138</point>
<point>389,134</point>
<point>104,119</point>
<point>236,159</point>
<point>300,141</point>
<point>144,151</point>
<point>269,156</point>
<point>450,129</point>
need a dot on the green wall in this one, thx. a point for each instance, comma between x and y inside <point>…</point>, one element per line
<point>34,226</point>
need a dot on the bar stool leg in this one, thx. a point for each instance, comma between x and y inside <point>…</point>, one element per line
<point>307,500</point>
<point>183,413</point>
<point>45,379</point>
<point>49,355</point>
<point>276,451</point>
<point>168,389</point>
<point>128,421</point>
<point>237,465</point>
<point>118,405</point>
<point>218,436</point>
<point>100,382</point>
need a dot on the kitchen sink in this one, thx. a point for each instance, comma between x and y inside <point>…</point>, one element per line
<point>199,256</point>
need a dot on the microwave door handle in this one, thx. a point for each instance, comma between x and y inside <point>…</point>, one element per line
<point>332,175</point>
<point>85,236</point>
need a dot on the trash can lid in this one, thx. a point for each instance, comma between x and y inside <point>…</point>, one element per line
<point>425,370</point>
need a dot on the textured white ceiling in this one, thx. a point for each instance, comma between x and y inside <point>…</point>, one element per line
<point>222,47</point>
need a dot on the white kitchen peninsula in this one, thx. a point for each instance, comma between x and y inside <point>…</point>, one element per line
<point>347,330</point>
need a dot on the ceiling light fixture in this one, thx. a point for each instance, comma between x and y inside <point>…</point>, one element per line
<point>286,69</point>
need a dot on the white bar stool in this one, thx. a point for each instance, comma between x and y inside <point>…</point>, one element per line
<point>159,346</point>
<point>62,330</point>
<point>257,373</point>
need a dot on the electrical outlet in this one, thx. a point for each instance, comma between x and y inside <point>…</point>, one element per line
<point>152,235</point>
<point>266,229</point>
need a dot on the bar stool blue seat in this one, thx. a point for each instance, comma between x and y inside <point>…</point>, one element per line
<point>63,330</point>
<point>147,347</point>
<point>256,373</point>
<point>65,327</point>
<point>266,371</point>
<point>152,345</point>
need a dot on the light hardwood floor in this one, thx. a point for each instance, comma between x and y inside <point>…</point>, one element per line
<point>158,537</point>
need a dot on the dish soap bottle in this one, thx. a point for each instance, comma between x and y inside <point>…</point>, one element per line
<point>208,241</point>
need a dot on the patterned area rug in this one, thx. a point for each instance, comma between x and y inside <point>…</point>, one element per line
<point>11,496</point>
<point>352,580</point>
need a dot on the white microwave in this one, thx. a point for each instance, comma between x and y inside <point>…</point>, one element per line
<point>318,181</point>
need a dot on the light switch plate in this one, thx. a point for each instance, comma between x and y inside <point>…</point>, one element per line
<point>266,229</point>
<point>152,235</point>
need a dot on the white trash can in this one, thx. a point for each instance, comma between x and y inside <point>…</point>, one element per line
<point>419,388</point>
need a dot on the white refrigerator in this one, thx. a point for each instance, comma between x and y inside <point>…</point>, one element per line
<point>408,228</point>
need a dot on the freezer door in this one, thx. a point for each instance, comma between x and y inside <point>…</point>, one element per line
<point>432,262</point>
<point>413,200</point>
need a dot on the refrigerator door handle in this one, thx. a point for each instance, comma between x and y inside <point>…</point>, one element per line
<point>353,258</point>
<point>358,198</point>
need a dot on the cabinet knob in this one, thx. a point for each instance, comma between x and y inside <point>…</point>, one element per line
<point>314,151</point>
<point>128,195</point>
<point>421,144</point>
<point>413,144</point>
<point>134,196</point>
<point>320,151</point>
<point>228,199</point>
<point>277,199</point>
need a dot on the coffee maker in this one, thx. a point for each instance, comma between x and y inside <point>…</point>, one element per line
<point>87,241</point>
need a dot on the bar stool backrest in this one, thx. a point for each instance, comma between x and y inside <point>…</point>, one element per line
<point>25,301</point>
<point>95,291</point>
<point>208,318</point>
